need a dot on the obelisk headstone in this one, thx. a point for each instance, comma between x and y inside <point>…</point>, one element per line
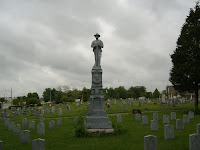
<point>97,117</point>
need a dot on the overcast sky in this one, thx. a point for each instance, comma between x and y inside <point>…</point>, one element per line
<point>47,43</point>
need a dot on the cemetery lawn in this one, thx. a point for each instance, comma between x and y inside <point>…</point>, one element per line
<point>132,137</point>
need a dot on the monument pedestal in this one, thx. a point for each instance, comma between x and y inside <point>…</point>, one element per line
<point>97,117</point>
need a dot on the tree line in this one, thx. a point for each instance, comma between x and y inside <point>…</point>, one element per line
<point>63,94</point>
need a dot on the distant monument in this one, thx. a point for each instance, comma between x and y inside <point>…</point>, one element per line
<point>97,117</point>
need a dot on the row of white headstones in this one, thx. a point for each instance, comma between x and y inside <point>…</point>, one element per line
<point>37,144</point>
<point>150,141</point>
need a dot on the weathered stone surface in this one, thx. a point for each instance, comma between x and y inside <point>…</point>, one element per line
<point>119,118</point>
<point>186,119</point>
<point>194,142</point>
<point>165,119</point>
<point>11,126</point>
<point>60,111</point>
<point>155,116</point>
<point>51,124</point>
<point>169,132</point>
<point>198,129</point>
<point>24,122</point>
<point>59,121</point>
<point>17,130</point>
<point>32,125</point>
<point>41,120</point>
<point>97,117</point>
<point>7,121</point>
<point>25,137</point>
<point>173,116</point>
<point>154,125</point>
<point>41,129</point>
<point>179,124</point>
<point>38,144</point>
<point>150,142</point>
<point>137,117</point>
<point>191,114</point>
<point>144,120</point>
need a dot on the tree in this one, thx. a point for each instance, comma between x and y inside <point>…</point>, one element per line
<point>137,91</point>
<point>2,99</point>
<point>33,100</point>
<point>86,94</point>
<point>15,101</point>
<point>148,95</point>
<point>32,95</point>
<point>156,93</point>
<point>49,93</point>
<point>121,92</point>
<point>185,72</point>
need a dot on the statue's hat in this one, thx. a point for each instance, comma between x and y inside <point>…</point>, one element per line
<point>97,35</point>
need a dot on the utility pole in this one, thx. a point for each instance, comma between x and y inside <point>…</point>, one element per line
<point>50,94</point>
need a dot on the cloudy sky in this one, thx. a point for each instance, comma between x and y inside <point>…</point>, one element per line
<point>47,43</point>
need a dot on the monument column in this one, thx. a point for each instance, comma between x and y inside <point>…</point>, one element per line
<point>97,117</point>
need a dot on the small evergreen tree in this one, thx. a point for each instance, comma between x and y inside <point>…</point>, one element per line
<point>185,72</point>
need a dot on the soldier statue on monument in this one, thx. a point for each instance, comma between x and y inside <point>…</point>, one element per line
<point>97,45</point>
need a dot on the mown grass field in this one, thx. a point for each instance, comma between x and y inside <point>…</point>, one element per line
<point>62,137</point>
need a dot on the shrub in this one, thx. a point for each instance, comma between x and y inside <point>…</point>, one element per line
<point>79,129</point>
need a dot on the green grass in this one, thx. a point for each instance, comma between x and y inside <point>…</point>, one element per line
<point>62,137</point>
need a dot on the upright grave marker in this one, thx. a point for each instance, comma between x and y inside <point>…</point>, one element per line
<point>97,117</point>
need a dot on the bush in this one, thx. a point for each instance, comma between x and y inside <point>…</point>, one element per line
<point>79,129</point>
<point>33,100</point>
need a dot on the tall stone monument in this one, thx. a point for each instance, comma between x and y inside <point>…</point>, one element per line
<point>97,117</point>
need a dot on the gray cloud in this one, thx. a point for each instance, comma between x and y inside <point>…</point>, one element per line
<point>47,43</point>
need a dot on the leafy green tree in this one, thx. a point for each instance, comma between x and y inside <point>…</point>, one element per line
<point>148,95</point>
<point>2,99</point>
<point>185,72</point>
<point>49,93</point>
<point>32,95</point>
<point>156,93</point>
<point>65,99</point>
<point>33,100</point>
<point>15,101</point>
<point>137,91</point>
<point>121,92</point>
<point>86,94</point>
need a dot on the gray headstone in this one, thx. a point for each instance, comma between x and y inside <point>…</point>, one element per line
<point>51,124</point>
<point>25,137</point>
<point>119,118</point>
<point>139,104</point>
<point>169,132</point>
<point>41,129</point>
<point>173,116</point>
<point>1,145</point>
<point>198,129</point>
<point>194,142</point>
<point>144,120</point>
<point>60,111</point>
<point>137,117</point>
<point>154,125</point>
<point>155,116</point>
<point>165,119</point>
<point>47,111</point>
<point>186,119</point>
<point>7,121</point>
<point>17,130</point>
<point>24,122</point>
<point>38,144</point>
<point>41,120</point>
<point>179,124</point>
<point>191,114</point>
<point>11,126</point>
<point>150,142</point>
<point>59,121</point>
<point>32,125</point>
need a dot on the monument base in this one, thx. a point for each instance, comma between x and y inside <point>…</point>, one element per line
<point>100,130</point>
<point>96,122</point>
